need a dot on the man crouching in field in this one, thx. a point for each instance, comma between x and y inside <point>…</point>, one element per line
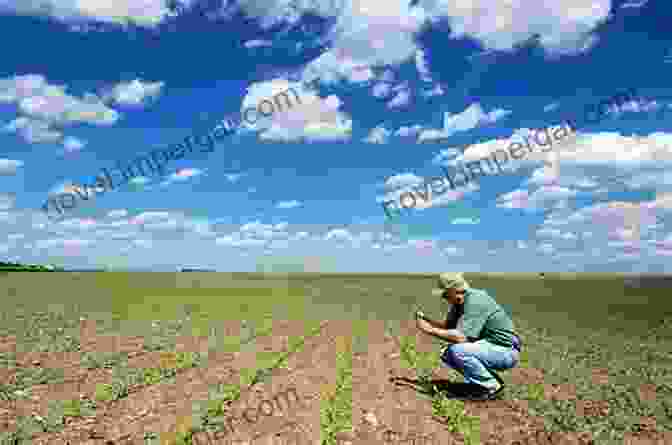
<point>482,334</point>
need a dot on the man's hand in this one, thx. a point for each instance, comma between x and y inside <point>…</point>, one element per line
<point>424,325</point>
<point>451,335</point>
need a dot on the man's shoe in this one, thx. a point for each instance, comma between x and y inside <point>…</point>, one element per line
<point>497,393</point>
<point>496,376</point>
<point>471,391</point>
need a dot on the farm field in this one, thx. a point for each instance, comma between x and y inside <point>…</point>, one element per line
<point>172,358</point>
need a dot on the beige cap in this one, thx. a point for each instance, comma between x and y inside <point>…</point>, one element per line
<point>450,280</point>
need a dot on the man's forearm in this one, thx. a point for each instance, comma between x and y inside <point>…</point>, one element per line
<point>451,335</point>
<point>434,323</point>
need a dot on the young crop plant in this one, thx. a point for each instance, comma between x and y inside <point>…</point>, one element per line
<point>422,364</point>
<point>535,391</point>
<point>249,333</point>
<point>108,392</point>
<point>452,414</point>
<point>448,411</point>
<point>56,413</point>
<point>127,379</point>
<point>336,415</point>
<point>26,426</point>
<point>360,338</point>
<point>78,407</point>
<point>183,433</point>
<point>25,377</point>
<point>186,360</point>
<point>7,392</point>
<point>211,414</point>
<point>260,374</point>
<point>150,438</point>
<point>152,376</point>
<point>164,334</point>
<point>107,360</point>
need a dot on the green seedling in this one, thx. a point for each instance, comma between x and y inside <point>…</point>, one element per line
<point>184,438</point>
<point>186,360</point>
<point>7,392</point>
<point>259,375</point>
<point>452,413</point>
<point>72,408</point>
<point>151,376</point>
<point>336,415</point>
<point>107,392</point>
<point>423,364</point>
<point>150,437</point>
<point>103,360</point>
<point>524,359</point>
<point>78,407</point>
<point>210,413</point>
<point>104,392</point>
<point>226,394</point>
<point>408,352</point>
<point>535,391</point>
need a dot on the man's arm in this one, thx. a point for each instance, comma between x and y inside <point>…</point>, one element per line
<point>451,335</point>
<point>449,323</point>
<point>434,323</point>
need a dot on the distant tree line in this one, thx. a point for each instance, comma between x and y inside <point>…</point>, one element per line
<point>18,267</point>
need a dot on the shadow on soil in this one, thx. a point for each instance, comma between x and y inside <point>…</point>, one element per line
<point>429,387</point>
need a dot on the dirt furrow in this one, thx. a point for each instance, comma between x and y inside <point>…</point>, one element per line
<point>79,382</point>
<point>385,411</point>
<point>310,373</point>
<point>158,408</point>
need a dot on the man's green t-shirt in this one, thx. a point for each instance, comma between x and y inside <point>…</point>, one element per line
<point>485,319</point>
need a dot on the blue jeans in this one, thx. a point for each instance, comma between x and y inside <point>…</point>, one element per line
<point>472,360</point>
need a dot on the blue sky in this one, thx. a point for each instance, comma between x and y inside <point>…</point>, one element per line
<point>390,92</point>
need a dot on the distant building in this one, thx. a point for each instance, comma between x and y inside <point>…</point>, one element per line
<point>195,269</point>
